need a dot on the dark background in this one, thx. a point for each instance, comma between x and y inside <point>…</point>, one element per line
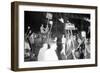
<point>35,19</point>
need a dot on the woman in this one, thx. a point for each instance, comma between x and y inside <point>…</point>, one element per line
<point>50,54</point>
<point>41,52</point>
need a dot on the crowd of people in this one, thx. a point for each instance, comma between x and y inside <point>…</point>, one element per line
<point>46,46</point>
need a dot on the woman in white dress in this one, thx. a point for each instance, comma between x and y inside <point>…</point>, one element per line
<point>50,54</point>
<point>41,52</point>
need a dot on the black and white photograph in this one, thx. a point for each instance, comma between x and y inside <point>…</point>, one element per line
<point>52,36</point>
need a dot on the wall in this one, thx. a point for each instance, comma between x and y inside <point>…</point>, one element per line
<point>5,31</point>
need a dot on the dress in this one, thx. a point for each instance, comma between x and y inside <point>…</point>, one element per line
<point>50,54</point>
<point>41,52</point>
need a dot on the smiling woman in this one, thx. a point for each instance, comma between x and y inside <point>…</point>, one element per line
<point>48,36</point>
